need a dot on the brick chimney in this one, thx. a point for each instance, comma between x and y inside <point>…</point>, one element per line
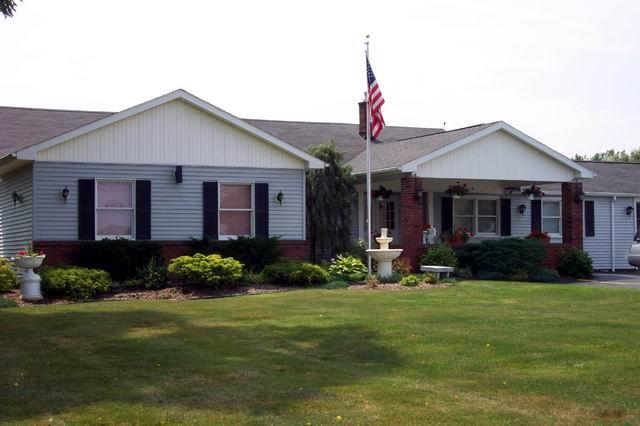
<point>362,128</point>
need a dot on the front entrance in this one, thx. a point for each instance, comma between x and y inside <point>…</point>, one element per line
<point>385,214</point>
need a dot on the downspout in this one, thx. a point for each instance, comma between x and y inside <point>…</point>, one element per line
<point>613,233</point>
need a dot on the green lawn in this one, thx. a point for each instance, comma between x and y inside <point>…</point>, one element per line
<point>474,353</point>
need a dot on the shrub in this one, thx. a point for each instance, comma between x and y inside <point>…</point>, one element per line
<point>295,274</point>
<point>252,278</point>
<point>519,275</point>
<point>153,275</point>
<point>75,282</point>
<point>401,265</point>
<point>440,255</point>
<point>359,249</point>
<point>8,277</point>
<point>464,273</point>
<point>509,256</point>
<point>253,253</point>
<point>575,263</point>
<point>430,278</point>
<point>395,277</point>
<point>334,285</point>
<point>120,257</point>
<point>491,276</point>
<point>212,270</point>
<point>466,255</point>
<point>348,268</point>
<point>545,275</point>
<point>539,235</point>
<point>7,303</point>
<point>411,281</point>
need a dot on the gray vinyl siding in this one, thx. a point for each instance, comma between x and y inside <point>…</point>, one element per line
<point>176,209</point>
<point>520,225</point>
<point>15,221</point>
<point>599,246</point>
<point>624,231</point>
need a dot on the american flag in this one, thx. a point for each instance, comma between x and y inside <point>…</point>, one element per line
<point>375,102</point>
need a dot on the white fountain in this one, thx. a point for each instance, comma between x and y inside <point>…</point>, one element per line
<point>384,255</point>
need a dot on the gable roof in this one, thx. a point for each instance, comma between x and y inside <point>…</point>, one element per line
<point>22,127</point>
<point>405,155</point>
<point>304,134</point>
<point>29,152</point>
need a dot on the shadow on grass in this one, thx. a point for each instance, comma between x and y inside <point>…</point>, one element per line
<point>67,360</point>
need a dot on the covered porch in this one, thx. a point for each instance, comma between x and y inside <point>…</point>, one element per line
<point>494,166</point>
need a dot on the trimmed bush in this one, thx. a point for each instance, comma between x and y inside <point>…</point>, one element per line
<point>153,275</point>
<point>212,270</point>
<point>295,274</point>
<point>348,268</point>
<point>253,253</point>
<point>120,257</point>
<point>440,255</point>
<point>335,285</point>
<point>8,277</point>
<point>466,254</point>
<point>575,263</point>
<point>74,282</point>
<point>430,278</point>
<point>508,257</point>
<point>7,303</point>
<point>545,275</point>
<point>463,273</point>
<point>411,281</point>
<point>519,275</point>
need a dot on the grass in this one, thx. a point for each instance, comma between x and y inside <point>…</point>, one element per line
<point>479,352</point>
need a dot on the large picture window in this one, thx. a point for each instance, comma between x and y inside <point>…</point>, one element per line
<point>114,209</point>
<point>236,210</point>
<point>479,216</point>
<point>551,217</point>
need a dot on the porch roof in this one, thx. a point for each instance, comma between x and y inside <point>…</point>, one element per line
<point>485,151</point>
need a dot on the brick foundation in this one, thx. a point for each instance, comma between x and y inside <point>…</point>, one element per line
<point>63,252</point>
<point>411,215</point>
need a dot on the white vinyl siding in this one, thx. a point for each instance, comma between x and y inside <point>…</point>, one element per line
<point>174,133</point>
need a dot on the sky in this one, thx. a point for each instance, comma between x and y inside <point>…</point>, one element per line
<point>564,72</point>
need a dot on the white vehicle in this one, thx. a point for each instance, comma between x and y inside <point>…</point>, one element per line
<point>634,251</point>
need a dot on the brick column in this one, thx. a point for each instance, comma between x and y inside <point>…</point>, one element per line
<point>411,214</point>
<point>572,231</point>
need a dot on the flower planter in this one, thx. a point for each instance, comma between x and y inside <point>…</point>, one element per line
<point>30,281</point>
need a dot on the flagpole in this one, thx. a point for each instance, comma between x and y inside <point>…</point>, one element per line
<point>368,125</point>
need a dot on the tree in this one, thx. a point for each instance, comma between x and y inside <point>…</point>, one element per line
<point>7,7</point>
<point>330,192</point>
<point>611,155</point>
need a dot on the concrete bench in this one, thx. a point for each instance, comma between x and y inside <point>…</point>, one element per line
<point>437,269</point>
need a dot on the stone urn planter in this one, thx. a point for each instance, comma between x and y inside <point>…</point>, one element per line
<point>30,281</point>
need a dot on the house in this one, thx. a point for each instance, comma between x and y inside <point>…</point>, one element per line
<point>177,167</point>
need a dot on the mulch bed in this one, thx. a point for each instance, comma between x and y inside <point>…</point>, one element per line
<point>190,293</point>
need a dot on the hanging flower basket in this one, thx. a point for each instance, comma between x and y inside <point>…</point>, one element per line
<point>532,192</point>
<point>458,190</point>
<point>381,193</point>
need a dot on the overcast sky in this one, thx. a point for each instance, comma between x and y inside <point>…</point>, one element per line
<point>564,72</point>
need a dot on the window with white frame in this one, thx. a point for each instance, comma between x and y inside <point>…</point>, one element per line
<point>551,217</point>
<point>463,214</point>
<point>479,216</point>
<point>236,210</point>
<point>487,216</point>
<point>114,209</point>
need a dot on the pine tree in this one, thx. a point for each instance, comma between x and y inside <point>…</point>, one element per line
<point>7,7</point>
<point>330,192</point>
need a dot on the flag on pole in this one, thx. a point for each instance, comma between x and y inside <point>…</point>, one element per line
<point>375,102</point>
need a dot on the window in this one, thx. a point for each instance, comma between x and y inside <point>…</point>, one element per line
<point>391,215</point>
<point>478,216</point>
<point>551,219</point>
<point>236,210</point>
<point>114,209</point>
<point>487,217</point>
<point>463,214</point>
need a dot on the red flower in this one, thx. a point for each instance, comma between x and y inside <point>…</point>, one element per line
<point>22,253</point>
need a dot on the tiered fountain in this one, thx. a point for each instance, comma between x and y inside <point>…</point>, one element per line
<point>384,255</point>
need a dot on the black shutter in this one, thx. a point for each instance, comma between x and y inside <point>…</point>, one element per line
<point>589,219</point>
<point>143,210</point>
<point>425,207</point>
<point>261,193</point>
<point>536,215</point>
<point>505,217</point>
<point>210,210</point>
<point>86,209</point>
<point>447,214</point>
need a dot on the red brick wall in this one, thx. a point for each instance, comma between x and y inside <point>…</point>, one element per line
<point>63,252</point>
<point>411,214</point>
<point>572,230</point>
